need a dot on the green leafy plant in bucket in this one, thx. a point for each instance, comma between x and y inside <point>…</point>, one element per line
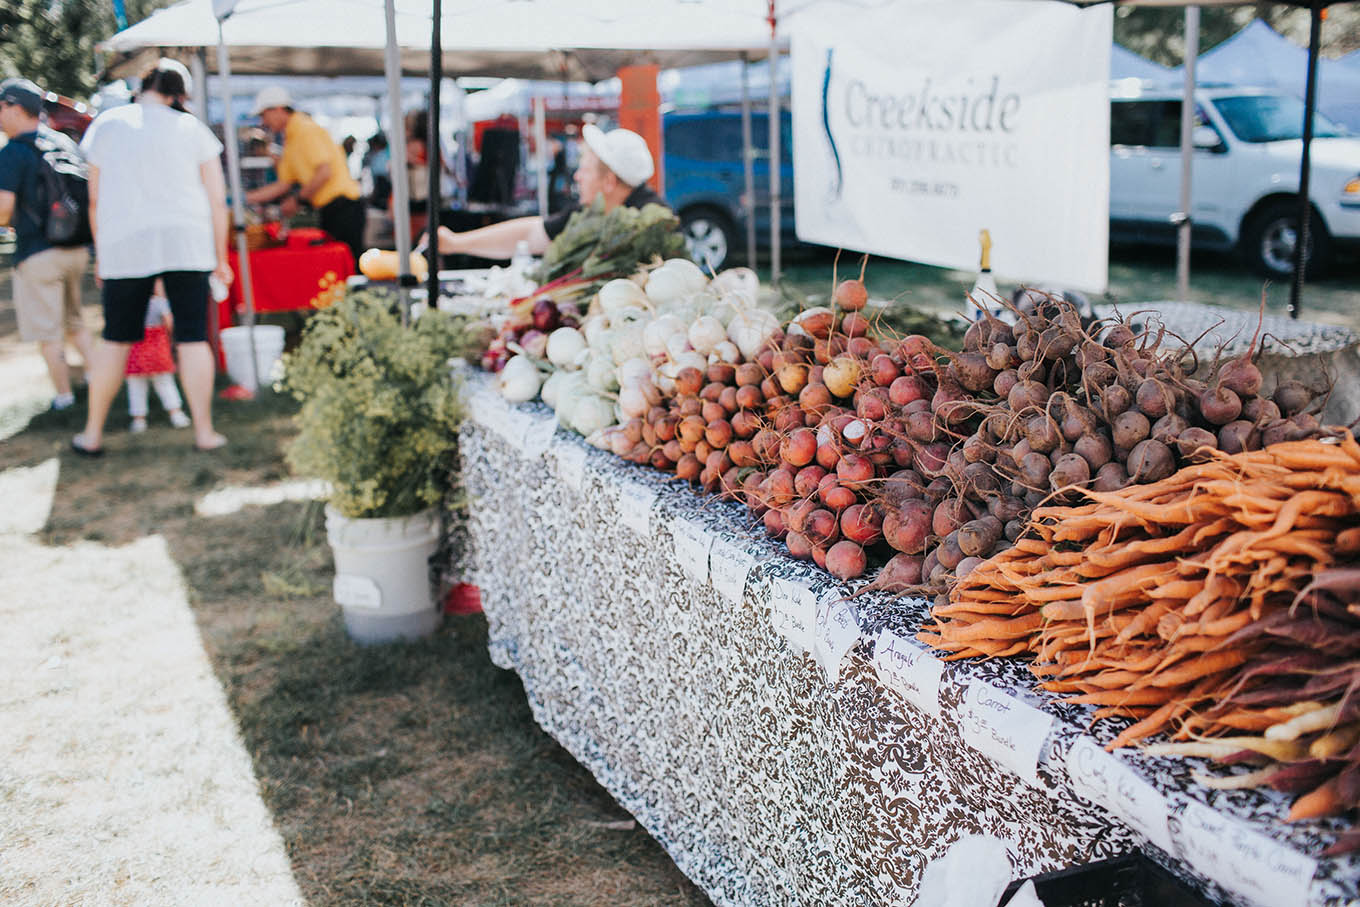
<point>380,412</point>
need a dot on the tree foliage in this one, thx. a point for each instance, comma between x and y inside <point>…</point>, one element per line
<point>53,42</point>
<point>1158,33</point>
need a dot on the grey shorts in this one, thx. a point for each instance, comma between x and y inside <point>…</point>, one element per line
<point>47,293</point>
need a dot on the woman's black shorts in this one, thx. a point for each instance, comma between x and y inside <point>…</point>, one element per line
<point>126,300</point>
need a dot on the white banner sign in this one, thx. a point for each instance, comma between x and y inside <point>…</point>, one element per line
<point>915,127</point>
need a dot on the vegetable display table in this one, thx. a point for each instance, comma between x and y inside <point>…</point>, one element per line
<point>787,745</point>
<point>308,271</point>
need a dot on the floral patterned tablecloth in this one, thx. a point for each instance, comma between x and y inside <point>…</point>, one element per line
<point>788,745</point>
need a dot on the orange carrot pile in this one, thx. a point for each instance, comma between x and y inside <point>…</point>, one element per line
<point>1216,605</point>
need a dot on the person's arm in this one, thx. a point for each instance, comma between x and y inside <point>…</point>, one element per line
<point>211,174</point>
<point>496,240</point>
<point>92,186</point>
<point>6,207</point>
<point>268,193</point>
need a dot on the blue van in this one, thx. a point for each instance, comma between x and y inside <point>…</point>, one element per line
<point>705,181</point>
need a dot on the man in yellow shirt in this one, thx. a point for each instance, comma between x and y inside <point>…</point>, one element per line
<point>312,169</point>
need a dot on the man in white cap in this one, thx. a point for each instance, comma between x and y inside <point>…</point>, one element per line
<point>615,165</point>
<point>312,169</point>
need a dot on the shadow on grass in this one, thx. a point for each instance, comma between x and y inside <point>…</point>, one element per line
<point>408,774</point>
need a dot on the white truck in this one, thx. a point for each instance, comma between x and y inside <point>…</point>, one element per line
<point>1244,188</point>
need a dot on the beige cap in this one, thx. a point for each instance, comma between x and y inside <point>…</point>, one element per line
<point>271,96</point>
<point>622,151</point>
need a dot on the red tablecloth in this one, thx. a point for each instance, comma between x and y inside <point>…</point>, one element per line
<point>307,272</point>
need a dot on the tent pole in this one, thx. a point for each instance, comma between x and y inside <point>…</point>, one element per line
<point>434,154</point>
<point>198,68</point>
<point>776,171</point>
<point>401,204</point>
<point>748,198</point>
<point>1305,163</point>
<point>541,145</point>
<point>1183,217</point>
<point>238,200</point>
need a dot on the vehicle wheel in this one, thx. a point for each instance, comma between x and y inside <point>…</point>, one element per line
<point>1268,240</point>
<point>709,235</point>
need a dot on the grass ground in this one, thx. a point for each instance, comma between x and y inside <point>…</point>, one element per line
<point>407,774</point>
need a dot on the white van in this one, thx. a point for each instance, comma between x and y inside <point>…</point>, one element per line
<point>1244,188</point>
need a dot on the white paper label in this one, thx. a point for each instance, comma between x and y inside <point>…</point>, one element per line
<point>794,612</point>
<point>635,506</point>
<point>1243,861</point>
<point>692,544</point>
<point>1010,732</point>
<point>506,422</point>
<point>729,566</point>
<point>910,670</point>
<point>1105,780</point>
<point>571,464</point>
<point>356,591</point>
<point>538,437</point>
<point>837,632</point>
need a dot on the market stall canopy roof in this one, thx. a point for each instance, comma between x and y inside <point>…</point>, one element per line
<point>558,39</point>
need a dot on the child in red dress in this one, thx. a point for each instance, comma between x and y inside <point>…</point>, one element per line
<point>150,361</point>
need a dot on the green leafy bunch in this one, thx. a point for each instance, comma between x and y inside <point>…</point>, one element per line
<point>380,412</point>
<point>603,245</point>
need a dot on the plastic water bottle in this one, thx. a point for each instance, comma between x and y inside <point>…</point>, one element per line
<point>521,261</point>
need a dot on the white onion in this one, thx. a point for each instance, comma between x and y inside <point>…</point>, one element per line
<point>618,294</point>
<point>725,352</point>
<point>591,414</point>
<point>632,402</point>
<point>675,280</point>
<point>739,282</point>
<point>677,344</point>
<point>690,359</point>
<point>519,380</point>
<point>705,333</point>
<point>600,374</point>
<point>665,377</point>
<point>658,333</point>
<point>631,371</point>
<point>594,329</point>
<point>552,386</point>
<point>750,329</point>
<point>565,345</point>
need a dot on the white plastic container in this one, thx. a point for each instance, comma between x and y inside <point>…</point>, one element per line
<point>382,575</point>
<point>236,350</point>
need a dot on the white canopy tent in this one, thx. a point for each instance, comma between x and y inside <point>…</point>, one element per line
<point>556,39</point>
<point>552,39</point>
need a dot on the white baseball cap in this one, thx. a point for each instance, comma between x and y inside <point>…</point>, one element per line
<point>622,151</point>
<point>271,96</point>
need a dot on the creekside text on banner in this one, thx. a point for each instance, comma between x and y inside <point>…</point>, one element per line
<point>917,125</point>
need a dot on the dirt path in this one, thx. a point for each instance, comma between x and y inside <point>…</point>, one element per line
<point>124,779</point>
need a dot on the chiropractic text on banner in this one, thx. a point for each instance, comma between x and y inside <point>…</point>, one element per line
<point>916,125</point>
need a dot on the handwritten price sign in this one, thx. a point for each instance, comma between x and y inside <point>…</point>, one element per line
<point>1260,869</point>
<point>910,670</point>
<point>538,436</point>
<point>635,507</point>
<point>729,566</point>
<point>794,612</point>
<point>571,465</point>
<point>692,546</point>
<point>1105,780</point>
<point>837,632</point>
<point>1012,733</point>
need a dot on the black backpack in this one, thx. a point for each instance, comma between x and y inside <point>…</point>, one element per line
<point>64,209</point>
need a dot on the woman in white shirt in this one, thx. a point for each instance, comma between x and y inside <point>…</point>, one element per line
<point>158,210</point>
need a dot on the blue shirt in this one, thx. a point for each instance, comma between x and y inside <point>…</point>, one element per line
<point>19,174</point>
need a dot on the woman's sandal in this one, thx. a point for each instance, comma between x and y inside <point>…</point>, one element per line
<point>218,442</point>
<point>78,448</point>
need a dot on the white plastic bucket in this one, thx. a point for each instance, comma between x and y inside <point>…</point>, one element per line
<point>382,575</point>
<point>236,350</point>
